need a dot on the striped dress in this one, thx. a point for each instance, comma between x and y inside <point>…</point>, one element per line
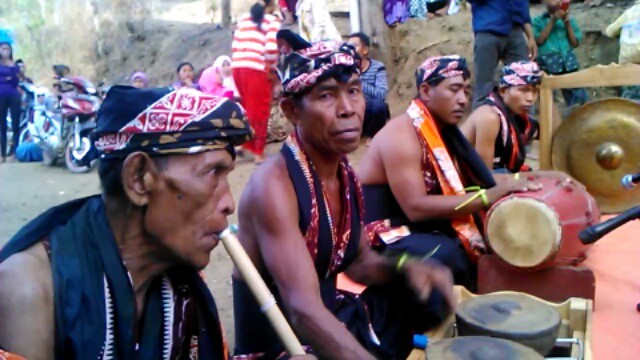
<point>255,48</point>
<point>255,54</point>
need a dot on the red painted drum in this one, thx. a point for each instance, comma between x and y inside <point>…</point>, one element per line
<point>539,229</point>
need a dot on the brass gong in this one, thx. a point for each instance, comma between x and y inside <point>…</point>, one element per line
<point>598,144</point>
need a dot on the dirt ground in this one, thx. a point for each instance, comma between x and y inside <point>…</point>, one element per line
<point>28,189</point>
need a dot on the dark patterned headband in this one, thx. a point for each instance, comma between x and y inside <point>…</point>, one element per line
<point>520,73</point>
<point>302,63</point>
<point>437,68</point>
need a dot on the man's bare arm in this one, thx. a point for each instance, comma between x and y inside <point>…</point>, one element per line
<point>487,129</point>
<point>284,252</point>
<point>402,161</point>
<point>26,305</point>
<point>371,268</point>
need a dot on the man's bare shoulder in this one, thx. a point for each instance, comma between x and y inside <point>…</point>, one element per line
<point>26,304</point>
<point>397,130</point>
<point>25,278</point>
<point>397,137</point>
<point>270,174</point>
<point>483,115</point>
<point>268,186</point>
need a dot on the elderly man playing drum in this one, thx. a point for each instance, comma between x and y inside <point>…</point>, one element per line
<point>116,275</point>
<point>301,223</point>
<point>424,184</point>
<point>501,129</point>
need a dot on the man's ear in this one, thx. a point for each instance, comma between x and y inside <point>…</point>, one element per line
<point>366,51</point>
<point>424,91</point>
<point>139,178</point>
<point>502,90</point>
<point>290,109</point>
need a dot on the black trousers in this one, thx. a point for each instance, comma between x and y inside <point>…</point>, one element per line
<point>9,104</point>
<point>394,312</point>
<point>376,115</point>
<point>488,50</point>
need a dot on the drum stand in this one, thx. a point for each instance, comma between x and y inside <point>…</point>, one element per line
<point>555,284</point>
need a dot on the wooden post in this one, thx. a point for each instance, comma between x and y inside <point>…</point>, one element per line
<point>546,126</point>
<point>225,10</point>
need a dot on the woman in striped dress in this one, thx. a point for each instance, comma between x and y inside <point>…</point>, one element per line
<point>254,59</point>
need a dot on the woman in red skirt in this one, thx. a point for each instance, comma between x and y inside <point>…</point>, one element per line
<point>254,58</point>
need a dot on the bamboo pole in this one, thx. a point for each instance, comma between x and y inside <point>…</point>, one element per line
<point>259,289</point>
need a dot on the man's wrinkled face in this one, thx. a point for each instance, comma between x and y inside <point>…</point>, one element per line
<point>190,204</point>
<point>520,99</point>
<point>330,116</point>
<point>448,101</point>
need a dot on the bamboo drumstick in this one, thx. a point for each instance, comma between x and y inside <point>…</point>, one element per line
<point>259,289</point>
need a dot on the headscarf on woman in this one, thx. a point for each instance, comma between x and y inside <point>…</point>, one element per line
<point>212,82</point>
<point>139,75</point>
<point>227,76</point>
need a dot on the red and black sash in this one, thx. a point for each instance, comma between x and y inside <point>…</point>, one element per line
<point>333,246</point>
<point>516,132</point>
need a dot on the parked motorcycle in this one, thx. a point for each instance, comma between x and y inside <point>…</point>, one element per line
<point>62,127</point>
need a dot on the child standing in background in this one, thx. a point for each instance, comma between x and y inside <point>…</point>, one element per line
<point>557,34</point>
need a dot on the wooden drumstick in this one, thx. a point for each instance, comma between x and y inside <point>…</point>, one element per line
<point>259,289</point>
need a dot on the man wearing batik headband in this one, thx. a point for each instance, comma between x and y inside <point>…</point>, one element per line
<point>301,223</point>
<point>424,184</point>
<point>501,129</point>
<point>115,275</point>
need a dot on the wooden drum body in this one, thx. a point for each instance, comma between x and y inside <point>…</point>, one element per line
<point>539,229</point>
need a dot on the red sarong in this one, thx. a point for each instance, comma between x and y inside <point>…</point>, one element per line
<point>255,96</point>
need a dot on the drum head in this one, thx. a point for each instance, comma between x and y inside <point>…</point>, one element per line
<point>523,231</point>
<point>479,348</point>
<point>508,315</point>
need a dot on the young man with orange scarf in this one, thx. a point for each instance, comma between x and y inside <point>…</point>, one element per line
<point>424,184</point>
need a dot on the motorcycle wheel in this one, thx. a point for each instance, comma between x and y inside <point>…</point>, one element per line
<point>72,163</point>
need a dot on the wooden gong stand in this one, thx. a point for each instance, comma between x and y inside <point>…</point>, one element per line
<point>557,283</point>
<point>596,76</point>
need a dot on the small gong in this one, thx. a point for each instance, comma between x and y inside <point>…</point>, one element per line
<point>510,316</point>
<point>479,348</point>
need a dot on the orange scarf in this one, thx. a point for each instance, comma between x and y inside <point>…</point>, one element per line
<point>448,177</point>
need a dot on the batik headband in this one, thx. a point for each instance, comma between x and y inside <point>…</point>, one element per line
<point>159,121</point>
<point>302,64</point>
<point>520,73</point>
<point>437,68</point>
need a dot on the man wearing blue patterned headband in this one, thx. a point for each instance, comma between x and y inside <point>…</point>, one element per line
<point>115,276</point>
<point>424,184</point>
<point>501,129</point>
<point>301,223</point>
